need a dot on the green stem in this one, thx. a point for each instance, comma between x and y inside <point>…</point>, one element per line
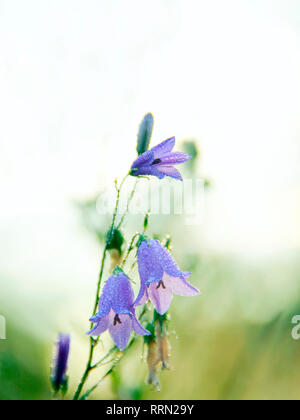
<point>93,342</point>
<point>110,352</point>
<point>130,248</point>
<point>116,362</point>
<point>128,204</point>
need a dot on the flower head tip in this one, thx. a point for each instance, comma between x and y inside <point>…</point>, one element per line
<point>159,161</point>
<point>60,362</point>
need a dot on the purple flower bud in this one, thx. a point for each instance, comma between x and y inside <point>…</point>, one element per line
<point>160,277</point>
<point>159,161</point>
<point>60,362</point>
<point>116,311</point>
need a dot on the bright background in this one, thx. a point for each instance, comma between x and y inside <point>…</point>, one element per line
<point>76,77</point>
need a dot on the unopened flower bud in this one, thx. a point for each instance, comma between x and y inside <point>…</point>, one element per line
<point>144,134</point>
<point>115,259</point>
<point>59,379</point>
<point>146,221</point>
<point>153,362</point>
<point>164,348</point>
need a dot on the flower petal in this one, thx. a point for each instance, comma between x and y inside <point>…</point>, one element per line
<point>122,294</point>
<point>166,260</point>
<point>142,297</point>
<point>104,304</point>
<point>149,170</point>
<point>163,148</point>
<point>180,286</point>
<point>174,158</point>
<point>161,298</point>
<point>138,328</point>
<point>143,160</point>
<point>121,332</point>
<point>170,171</point>
<point>101,326</point>
<point>150,269</point>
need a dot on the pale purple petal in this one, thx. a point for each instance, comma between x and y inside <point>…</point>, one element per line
<point>101,325</point>
<point>174,158</point>
<point>142,297</point>
<point>138,328</point>
<point>121,332</point>
<point>161,298</point>
<point>170,171</point>
<point>165,147</point>
<point>180,286</point>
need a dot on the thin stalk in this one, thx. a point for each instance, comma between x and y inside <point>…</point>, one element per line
<point>110,370</point>
<point>130,248</point>
<point>128,203</point>
<point>94,342</point>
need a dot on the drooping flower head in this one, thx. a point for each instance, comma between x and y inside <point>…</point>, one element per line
<point>60,362</point>
<point>116,311</point>
<point>159,161</point>
<point>160,277</point>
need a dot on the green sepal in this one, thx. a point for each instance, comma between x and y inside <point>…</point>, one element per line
<point>142,238</point>
<point>152,337</point>
<point>117,270</point>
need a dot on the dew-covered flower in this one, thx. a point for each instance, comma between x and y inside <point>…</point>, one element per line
<point>160,277</point>
<point>159,161</point>
<point>60,362</point>
<point>116,311</point>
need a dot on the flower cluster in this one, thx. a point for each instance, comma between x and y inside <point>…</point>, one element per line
<point>159,279</point>
<point>160,276</point>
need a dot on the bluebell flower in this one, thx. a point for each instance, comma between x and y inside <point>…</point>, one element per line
<point>159,161</point>
<point>60,362</point>
<point>116,311</point>
<point>160,277</point>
